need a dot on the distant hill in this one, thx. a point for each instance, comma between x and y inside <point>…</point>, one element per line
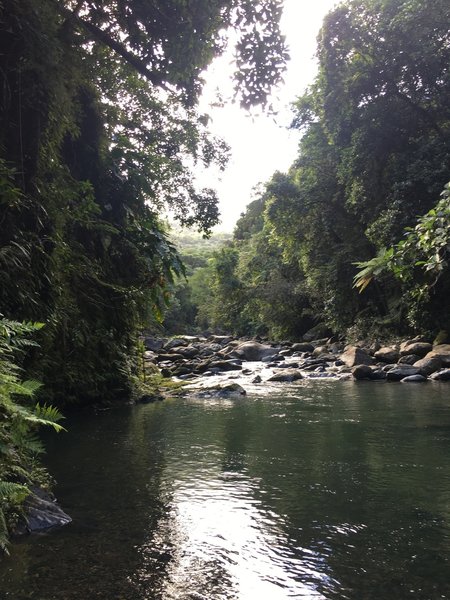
<point>192,242</point>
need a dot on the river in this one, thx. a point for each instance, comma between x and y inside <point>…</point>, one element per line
<point>320,489</point>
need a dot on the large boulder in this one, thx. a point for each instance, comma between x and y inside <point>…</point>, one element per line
<point>402,371</point>
<point>441,351</point>
<point>366,372</point>
<point>428,365</point>
<point>387,354</point>
<point>188,351</point>
<point>413,347</point>
<point>154,344</point>
<point>254,351</point>
<point>362,372</point>
<point>408,359</point>
<point>356,356</point>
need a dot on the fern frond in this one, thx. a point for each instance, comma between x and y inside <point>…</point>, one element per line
<point>13,491</point>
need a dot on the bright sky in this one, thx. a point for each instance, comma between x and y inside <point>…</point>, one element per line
<point>261,145</point>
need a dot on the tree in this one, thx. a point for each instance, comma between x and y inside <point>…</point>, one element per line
<point>99,132</point>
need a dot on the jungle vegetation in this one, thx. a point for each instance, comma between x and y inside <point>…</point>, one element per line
<point>355,237</point>
<point>99,136</point>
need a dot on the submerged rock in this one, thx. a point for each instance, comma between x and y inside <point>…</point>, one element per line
<point>414,379</point>
<point>222,391</point>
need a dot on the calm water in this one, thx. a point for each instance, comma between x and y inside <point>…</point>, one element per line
<point>328,490</point>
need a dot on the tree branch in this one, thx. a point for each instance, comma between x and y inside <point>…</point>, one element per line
<point>117,47</point>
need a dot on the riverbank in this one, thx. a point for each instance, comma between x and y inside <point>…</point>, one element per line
<point>195,359</point>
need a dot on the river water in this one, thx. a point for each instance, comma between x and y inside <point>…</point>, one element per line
<point>320,489</point>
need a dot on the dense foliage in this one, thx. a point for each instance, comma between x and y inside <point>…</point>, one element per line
<point>99,132</point>
<point>20,417</point>
<point>374,156</point>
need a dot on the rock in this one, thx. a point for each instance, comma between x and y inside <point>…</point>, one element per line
<point>255,351</point>
<point>320,375</point>
<point>413,347</point>
<point>428,365</point>
<point>327,357</point>
<point>231,389</point>
<point>257,379</point>
<point>286,375</point>
<point>414,379</point>
<point>302,347</point>
<point>318,350</point>
<point>374,347</point>
<point>42,512</point>
<point>272,358</point>
<point>365,372</point>
<point>400,372</point>
<point>225,365</point>
<point>223,340</point>
<point>356,356</point>
<point>378,375</point>
<point>441,351</point>
<point>165,372</point>
<point>362,372</point>
<point>182,370</point>
<point>288,365</point>
<point>173,343</point>
<point>154,344</point>
<point>189,351</point>
<point>387,368</point>
<point>387,354</point>
<point>442,375</point>
<point>170,357</point>
<point>409,359</point>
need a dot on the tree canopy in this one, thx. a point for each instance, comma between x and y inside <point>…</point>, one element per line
<point>372,162</point>
<point>99,134</point>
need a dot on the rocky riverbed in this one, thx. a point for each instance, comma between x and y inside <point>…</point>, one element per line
<point>225,364</point>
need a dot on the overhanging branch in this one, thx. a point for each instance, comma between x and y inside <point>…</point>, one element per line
<point>116,46</point>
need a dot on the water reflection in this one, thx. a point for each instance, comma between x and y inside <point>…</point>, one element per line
<point>223,543</point>
<point>334,491</point>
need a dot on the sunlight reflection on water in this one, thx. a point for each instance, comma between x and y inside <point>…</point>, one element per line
<point>221,543</point>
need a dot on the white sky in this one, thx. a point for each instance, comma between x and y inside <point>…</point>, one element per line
<point>260,145</point>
